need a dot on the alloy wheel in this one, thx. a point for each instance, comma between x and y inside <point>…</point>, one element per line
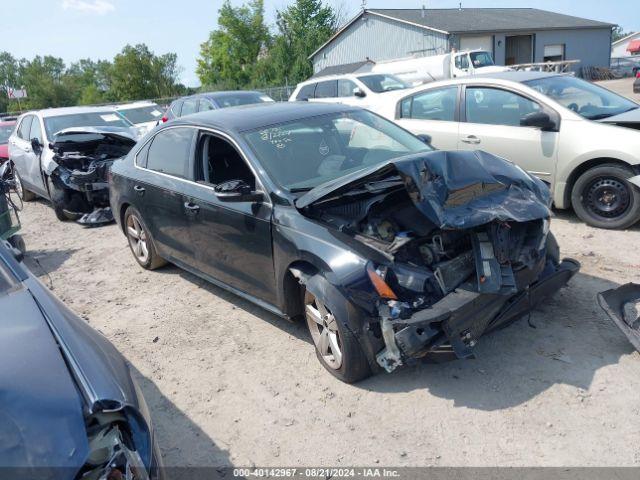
<point>137,239</point>
<point>324,331</point>
<point>607,197</point>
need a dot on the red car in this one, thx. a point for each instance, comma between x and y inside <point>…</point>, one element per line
<point>5,132</point>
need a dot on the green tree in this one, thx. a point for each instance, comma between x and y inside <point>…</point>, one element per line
<point>46,82</point>
<point>230,54</point>
<point>8,78</point>
<point>302,28</point>
<point>618,33</point>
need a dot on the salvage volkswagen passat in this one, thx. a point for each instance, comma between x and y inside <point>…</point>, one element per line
<point>391,250</point>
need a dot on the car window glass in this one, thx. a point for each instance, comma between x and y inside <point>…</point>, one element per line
<point>176,107</point>
<point>345,88</point>
<point>493,106</point>
<point>328,89</point>
<point>169,152</point>
<point>222,162</point>
<point>205,105</point>
<point>36,131</point>
<point>435,105</point>
<point>306,92</point>
<point>189,106</point>
<point>25,127</point>
<point>141,156</point>
<point>462,62</point>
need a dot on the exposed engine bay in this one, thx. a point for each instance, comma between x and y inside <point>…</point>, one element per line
<point>463,247</point>
<point>83,158</point>
<point>112,454</point>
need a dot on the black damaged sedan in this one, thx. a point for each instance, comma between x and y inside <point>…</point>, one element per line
<point>69,408</point>
<point>392,251</point>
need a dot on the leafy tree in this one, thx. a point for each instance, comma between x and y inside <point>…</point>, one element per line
<point>302,28</point>
<point>618,33</point>
<point>8,78</point>
<point>228,57</point>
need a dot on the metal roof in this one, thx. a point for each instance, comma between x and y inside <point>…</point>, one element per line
<point>455,20</point>
<point>259,115</point>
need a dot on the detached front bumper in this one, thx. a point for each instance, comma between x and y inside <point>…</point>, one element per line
<point>456,322</point>
<point>614,302</point>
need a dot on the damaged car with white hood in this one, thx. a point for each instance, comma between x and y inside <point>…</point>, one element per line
<point>64,154</point>
<point>392,252</point>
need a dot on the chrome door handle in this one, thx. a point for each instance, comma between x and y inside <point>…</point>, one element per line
<point>191,207</point>
<point>472,139</point>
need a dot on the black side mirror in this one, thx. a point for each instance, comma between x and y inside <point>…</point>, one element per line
<point>237,191</point>
<point>358,92</point>
<point>425,138</point>
<point>36,146</point>
<point>540,120</point>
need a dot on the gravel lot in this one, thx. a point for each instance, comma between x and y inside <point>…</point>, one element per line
<point>231,384</point>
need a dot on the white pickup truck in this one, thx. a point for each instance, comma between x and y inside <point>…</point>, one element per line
<point>416,70</point>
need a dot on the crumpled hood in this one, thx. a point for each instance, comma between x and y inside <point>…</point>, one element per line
<point>41,421</point>
<point>454,190</point>
<point>127,136</point>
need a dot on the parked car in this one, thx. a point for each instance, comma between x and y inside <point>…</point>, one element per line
<point>70,407</point>
<point>625,67</point>
<point>6,128</point>
<point>578,137</point>
<point>636,84</point>
<point>203,102</point>
<point>358,90</point>
<point>63,154</point>
<point>144,115</point>
<point>391,250</point>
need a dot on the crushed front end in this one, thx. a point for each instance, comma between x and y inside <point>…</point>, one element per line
<point>462,247</point>
<point>83,158</point>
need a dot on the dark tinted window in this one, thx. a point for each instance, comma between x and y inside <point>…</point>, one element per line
<point>169,152</point>
<point>141,156</point>
<point>25,127</point>
<point>36,131</point>
<point>306,92</point>
<point>327,89</point>
<point>380,83</point>
<point>241,98</point>
<point>462,62</point>
<point>189,106</point>
<point>345,88</point>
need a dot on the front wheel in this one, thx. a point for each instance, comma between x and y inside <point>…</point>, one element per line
<point>336,347</point>
<point>603,197</point>
<point>24,194</point>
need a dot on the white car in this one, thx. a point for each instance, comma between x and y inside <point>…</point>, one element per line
<point>144,115</point>
<point>364,90</point>
<point>34,159</point>
<point>580,138</point>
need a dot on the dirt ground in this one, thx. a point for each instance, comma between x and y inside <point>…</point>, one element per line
<point>230,384</point>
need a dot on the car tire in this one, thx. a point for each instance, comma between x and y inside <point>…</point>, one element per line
<point>604,198</point>
<point>140,241</point>
<point>337,348</point>
<point>24,194</point>
<point>56,196</point>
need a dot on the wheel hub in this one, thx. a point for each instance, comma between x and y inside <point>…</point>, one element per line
<point>608,197</point>
<point>324,331</point>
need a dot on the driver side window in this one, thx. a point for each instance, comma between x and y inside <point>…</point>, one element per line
<point>221,162</point>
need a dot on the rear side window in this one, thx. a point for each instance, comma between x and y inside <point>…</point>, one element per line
<point>437,104</point>
<point>170,151</point>
<point>189,106</point>
<point>25,127</point>
<point>327,89</point>
<point>306,92</point>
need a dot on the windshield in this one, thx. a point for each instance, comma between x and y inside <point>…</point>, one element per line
<point>93,119</point>
<point>138,115</point>
<point>5,133</point>
<point>302,154</point>
<point>382,83</point>
<point>236,99</point>
<point>481,59</point>
<point>584,98</point>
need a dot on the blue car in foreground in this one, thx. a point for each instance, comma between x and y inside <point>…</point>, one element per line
<point>69,407</point>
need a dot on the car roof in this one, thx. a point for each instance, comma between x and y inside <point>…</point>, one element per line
<point>56,112</point>
<point>259,115</point>
<point>514,76</point>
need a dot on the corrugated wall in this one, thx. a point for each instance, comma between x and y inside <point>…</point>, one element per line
<point>379,39</point>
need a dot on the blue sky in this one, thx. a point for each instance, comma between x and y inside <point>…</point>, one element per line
<point>74,29</point>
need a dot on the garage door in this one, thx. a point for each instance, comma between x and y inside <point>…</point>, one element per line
<point>477,43</point>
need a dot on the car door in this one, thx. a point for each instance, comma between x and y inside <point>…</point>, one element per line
<point>432,112</point>
<point>26,161</point>
<point>492,121</point>
<point>166,162</point>
<point>232,239</point>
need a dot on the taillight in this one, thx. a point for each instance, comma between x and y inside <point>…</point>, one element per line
<point>164,118</point>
